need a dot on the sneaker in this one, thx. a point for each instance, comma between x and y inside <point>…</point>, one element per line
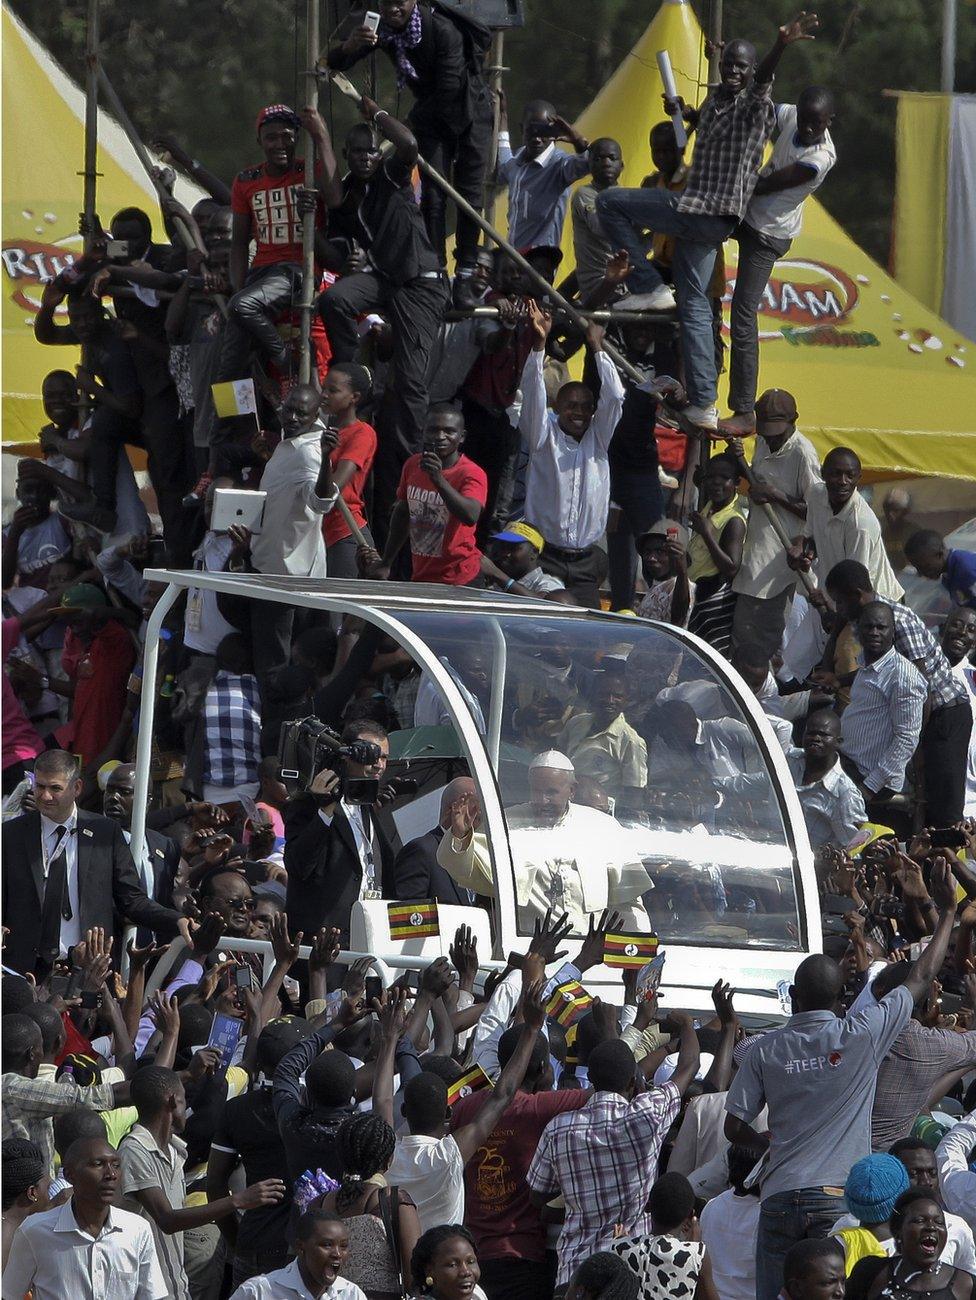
<point>667,480</point>
<point>89,512</point>
<point>197,494</point>
<point>740,425</point>
<point>702,417</point>
<point>662,299</point>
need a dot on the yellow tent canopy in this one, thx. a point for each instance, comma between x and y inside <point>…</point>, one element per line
<point>870,367</point>
<point>43,152</point>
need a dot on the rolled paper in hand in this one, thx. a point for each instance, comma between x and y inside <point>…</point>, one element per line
<point>671,90</point>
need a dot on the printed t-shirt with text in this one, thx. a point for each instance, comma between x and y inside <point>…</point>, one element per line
<point>443,547</point>
<point>271,202</point>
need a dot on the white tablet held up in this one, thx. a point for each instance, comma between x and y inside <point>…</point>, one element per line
<point>237,506</point>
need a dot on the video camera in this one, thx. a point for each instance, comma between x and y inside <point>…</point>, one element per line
<point>307,745</point>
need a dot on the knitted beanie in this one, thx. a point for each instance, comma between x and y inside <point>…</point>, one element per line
<point>873,1185</point>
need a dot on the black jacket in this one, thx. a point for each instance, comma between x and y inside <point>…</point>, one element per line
<point>448,95</point>
<point>109,888</point>
<point>417,875</point>
<point>324,872</point>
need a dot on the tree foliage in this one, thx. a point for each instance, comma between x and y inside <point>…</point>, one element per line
<point>201,69</point>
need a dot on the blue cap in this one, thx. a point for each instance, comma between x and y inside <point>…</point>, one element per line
<point>873,1185</point>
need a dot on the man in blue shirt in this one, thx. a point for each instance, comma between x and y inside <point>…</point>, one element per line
<point>539,175</point>
<point>957,569</point>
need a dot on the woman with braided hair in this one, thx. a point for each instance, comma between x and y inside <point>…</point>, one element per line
<point>601,1277</point>
<point>382,1221</point>
<point>25,1186</point>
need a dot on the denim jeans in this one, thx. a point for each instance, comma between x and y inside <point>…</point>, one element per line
<point>757,257</point>
<point>784,1219</point>
<point>623,215</point>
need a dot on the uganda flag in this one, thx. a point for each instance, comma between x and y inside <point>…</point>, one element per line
<point>413,920</point>
<point>628,950</point>
<point>475,1080</point>
<point>567,1002</point>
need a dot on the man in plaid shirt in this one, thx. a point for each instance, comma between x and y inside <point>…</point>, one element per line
<point>603,1158</point>
<point>734,125</point>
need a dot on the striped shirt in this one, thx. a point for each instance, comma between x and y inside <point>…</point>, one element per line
<point>730,139</point>
<point>232,715</point>
<point>916,643</point>
<point>881,725</point>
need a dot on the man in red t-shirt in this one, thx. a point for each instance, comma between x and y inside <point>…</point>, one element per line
<point>508,1229</point>
<point>268,203</point>
<point>439,502</point>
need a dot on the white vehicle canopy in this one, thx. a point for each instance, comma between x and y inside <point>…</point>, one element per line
<point>715,850</point>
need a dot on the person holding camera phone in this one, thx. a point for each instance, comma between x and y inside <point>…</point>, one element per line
<point>336,852</point>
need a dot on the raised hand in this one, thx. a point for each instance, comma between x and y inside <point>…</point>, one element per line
<point>591,949</point>
<point>533,1006</point>
<point>800,28</point>
<point>464,954</point>
<point>325,949</point>
<point>392,1012</point>
<point>165,1012</point>
<point>437,978</point>
<point>285,949</point>
<point>547,934</point>
<point>97,959</point>
<point>540,324</point>
<point>722,995</point>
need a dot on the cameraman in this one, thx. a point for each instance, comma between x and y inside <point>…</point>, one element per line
<point>335,849</point>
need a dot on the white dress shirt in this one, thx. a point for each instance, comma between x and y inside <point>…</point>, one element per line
<point>50,838</point>
<point>966,673</point>
<point>833,807</point>
<point>881,725</point>
<point>957,1180</point>
<point>794,469</point>
<point>287,1284</point>
<point>54,1259</point>
<point>853,533</point>
<point>291,538</point>
<point>364,846</point>
<point>567,490</point>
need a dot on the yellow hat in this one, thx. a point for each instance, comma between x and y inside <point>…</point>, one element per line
<point>520,532</point>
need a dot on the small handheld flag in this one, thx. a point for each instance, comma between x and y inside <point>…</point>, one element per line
<point>413,920</point>
<point>475,1080</point>
<point>628,950</point>
<point>567,1002</point>
<point>236,397</point>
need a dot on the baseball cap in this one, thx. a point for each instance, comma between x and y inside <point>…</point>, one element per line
<point>520,532</point>
<point>277,113</point>
<point>776,411</point>
<point>665,528</point>
<point>84,595</point>
<point>272,889</point>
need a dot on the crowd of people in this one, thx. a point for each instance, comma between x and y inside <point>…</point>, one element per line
<point>186,1119</point>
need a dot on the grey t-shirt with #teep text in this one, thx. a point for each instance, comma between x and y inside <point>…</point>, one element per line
<point>817,1074</point>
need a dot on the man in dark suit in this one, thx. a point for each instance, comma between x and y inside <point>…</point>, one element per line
<point>417,873</point>
<point>160,860</point>
<point>66,871</point>
<point>336,852</point>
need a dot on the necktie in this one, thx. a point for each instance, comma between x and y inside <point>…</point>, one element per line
<point>56,905</point>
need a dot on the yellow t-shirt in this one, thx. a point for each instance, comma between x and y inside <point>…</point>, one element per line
<point>700,562</point>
